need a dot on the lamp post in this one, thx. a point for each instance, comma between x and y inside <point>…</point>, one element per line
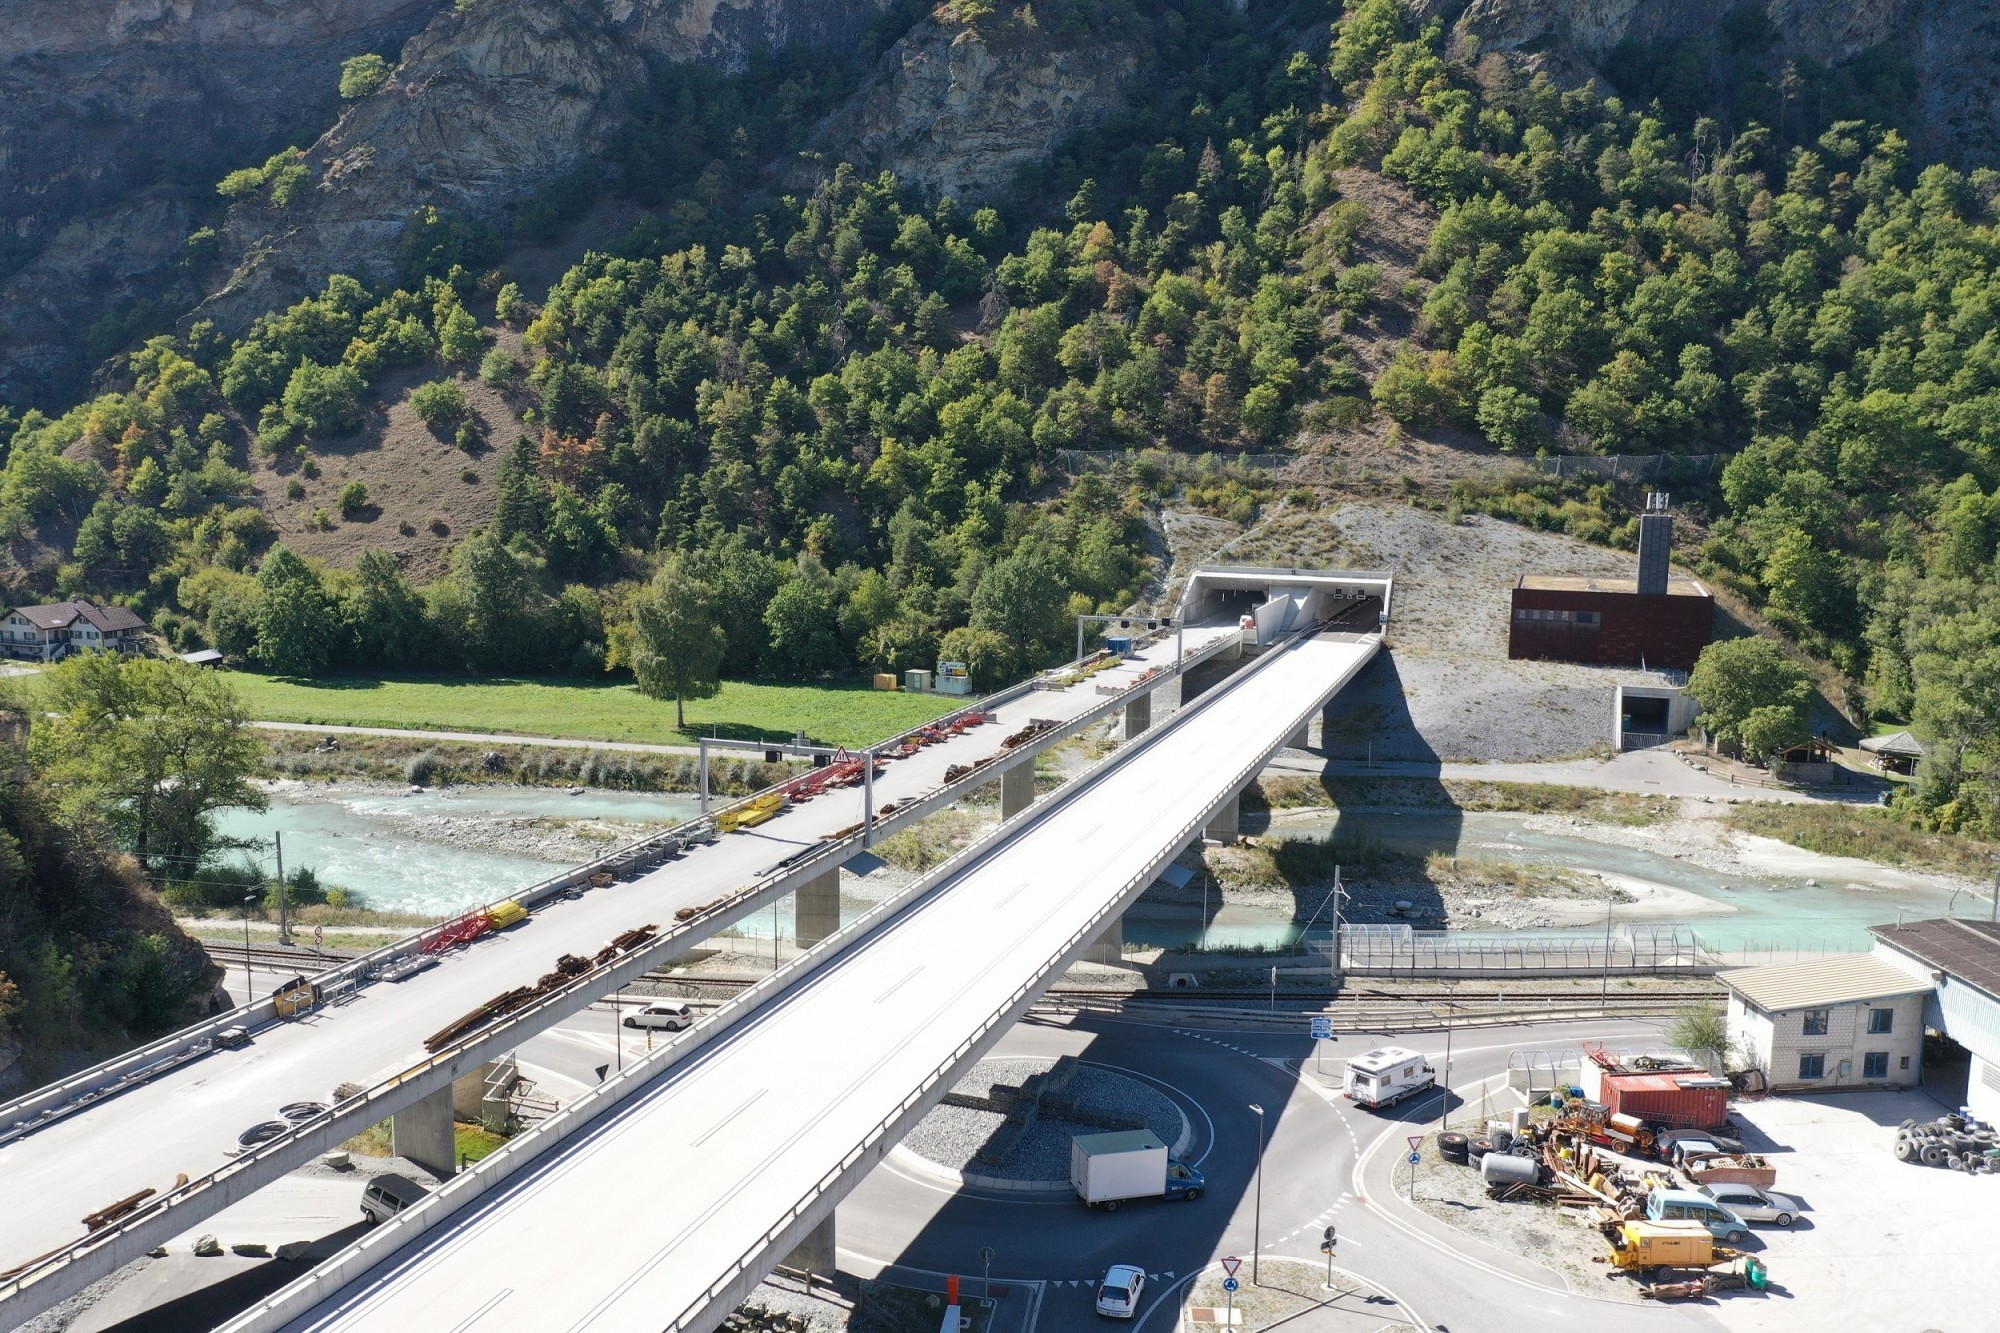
<point>249,982</point>
<point>1257,1224</point>
<point>1604,989</point>
<point>986,1281</point>
<point>1445,1123</point>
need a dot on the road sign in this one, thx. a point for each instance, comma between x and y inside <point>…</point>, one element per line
<point>1230,1265</point>
<point>1331,1236</point>
<point>1416,1141</point>
<point>319,936</point>
<point>1230,1284</point>
<point>1415,1158</point>
<point>1322,1029</point>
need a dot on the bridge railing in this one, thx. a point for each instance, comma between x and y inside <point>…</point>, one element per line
<point>1007,1012</point>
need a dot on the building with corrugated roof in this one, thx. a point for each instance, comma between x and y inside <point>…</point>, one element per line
<point>1850,1021</point>
<point>1958,962</point>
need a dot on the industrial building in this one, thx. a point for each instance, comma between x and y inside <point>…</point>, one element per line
<point>1958,963</point>
<point>1849,1021</point>
<point>1656,620</point>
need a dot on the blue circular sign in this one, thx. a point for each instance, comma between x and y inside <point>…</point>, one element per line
<point>1230,1284</point>
<point>1414,1159</point>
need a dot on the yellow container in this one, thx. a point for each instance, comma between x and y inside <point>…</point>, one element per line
<point>1664,1245</point>
<point>885,680</point>
<point>506,913</point>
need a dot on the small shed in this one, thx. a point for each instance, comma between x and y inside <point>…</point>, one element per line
<point>1817,750</point>
<point>204,657</point>
<point>1897,752</point>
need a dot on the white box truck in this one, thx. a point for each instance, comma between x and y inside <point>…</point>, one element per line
<point>1386,1075</point>
<point>1107,1169</point>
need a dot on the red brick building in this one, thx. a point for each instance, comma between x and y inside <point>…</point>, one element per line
<point>1609,622</point>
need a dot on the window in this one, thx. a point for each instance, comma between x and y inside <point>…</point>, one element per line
<point>1587,617</point>
<point>1875,1064</point>
<point>1881,1020</point>
<point>1815,1023</point>
<point>1812,1066</point>
<point>1902,1062</point>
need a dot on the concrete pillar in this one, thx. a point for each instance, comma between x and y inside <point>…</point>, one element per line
<point>468,1091</point>
<point>1017,788</point>
<point>1110,946</point>
<point>814,1257</point>
<point>1301,739</point>
<point>1138,715</point>
<point>423,1134</point>
<point>1224,825</point>
<point>816,909</point>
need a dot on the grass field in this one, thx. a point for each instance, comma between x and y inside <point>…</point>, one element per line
<point>585,709</point>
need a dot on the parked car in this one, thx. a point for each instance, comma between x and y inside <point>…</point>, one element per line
<point>669,1014</point>
<point>1755,1205</point>
<point>1118,1295</point>
<point>1677,1145</point>
<point>387,1195</point>
<point>1687,1206</point>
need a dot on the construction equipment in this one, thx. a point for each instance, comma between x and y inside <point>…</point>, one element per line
<point>1647,1246</point>
<point>753,812</point>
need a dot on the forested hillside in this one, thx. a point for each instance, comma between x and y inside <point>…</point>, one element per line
<point>845,408</point>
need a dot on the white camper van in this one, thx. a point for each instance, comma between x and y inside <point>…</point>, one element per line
<point>1386,1075</point>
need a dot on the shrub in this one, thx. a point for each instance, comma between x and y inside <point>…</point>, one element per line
<point>363,74</point>
<point>294,489</point>
<point>353,499</point>
<point>498,368</point>
<point>440,404</point>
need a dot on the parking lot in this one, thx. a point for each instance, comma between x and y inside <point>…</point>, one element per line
<point>1881,1244</point>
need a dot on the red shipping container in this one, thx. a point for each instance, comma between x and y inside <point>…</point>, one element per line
<point>1662,1099</point>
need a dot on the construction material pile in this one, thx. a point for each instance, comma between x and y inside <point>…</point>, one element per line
<point>1954,1141</point>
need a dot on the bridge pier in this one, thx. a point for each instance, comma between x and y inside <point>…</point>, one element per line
<point>1017,788</point>
<point>1302,739</point>
<point>423,1134</point>
<point>1138,715</point>
<point>1109,948</point>
<point>814,1255</point>
<point>816,909</point>
<point>1226,823</point>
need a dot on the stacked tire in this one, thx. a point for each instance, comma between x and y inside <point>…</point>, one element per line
<point>1454,1147</point>
<point>1950,1141</point>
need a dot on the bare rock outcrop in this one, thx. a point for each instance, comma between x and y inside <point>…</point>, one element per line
<point>487,106</point>
<point>958,112</point>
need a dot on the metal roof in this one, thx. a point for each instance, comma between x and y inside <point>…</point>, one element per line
<point>1967,950</point>
<point>1825,981</point>
<point>1897,742</point>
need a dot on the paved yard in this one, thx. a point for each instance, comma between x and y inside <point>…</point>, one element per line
<point>1881,1245</point>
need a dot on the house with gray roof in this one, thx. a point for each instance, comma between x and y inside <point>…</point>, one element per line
<point>51,632</point>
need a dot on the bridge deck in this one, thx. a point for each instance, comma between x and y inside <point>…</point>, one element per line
<point>186,1120</point>
<point>633,1222</point>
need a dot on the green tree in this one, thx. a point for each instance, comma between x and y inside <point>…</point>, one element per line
<point>363,74</point>
<point>677,644</point>
<point>297,632</point>
<point>522,498</point>
<point>990,658</point>
<point>353,499</point>
<point>383,614</point>
<point>1024,599</point>
<point>439,404</point>
<point>1752,695</point>
<point>802,622</point>
<point>324,401</point>
<point>150,747</point>
<point>459,337</point>
<point>1702,1030</point>
<point>1805,583</point>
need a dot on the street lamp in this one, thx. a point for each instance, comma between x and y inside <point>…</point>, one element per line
<point>1257,1225</point>
<point>1452,1007</point>
<point>249,982</point>
<point>986,1282</point>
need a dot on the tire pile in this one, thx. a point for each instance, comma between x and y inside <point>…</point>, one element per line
<point>1949,1141</point>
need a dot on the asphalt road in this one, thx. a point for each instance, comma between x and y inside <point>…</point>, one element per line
<point>1316,1142</point>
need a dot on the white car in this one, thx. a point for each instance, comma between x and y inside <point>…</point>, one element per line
<point>669,1014</point>
<point>1118,1295</point>
<point>1755,1205</point>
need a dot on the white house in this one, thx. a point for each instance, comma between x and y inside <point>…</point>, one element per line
<point>52,632</point>
<point>1850,1021</point>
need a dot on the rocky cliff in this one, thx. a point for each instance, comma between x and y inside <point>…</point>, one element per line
<point>959,112</point>
<point>116,115</point>
<point>1953,46</point>
<point>487,106</point>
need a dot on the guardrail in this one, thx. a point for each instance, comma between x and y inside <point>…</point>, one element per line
<point>512,1028</point>
<point>1008,1011</point>
<point>463,1189</point>
<point>1415,1016</point>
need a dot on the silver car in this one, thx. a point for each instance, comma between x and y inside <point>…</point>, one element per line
<point>1755,1205</point>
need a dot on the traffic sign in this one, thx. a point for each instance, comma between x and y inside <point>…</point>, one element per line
<point>1231,1264</point>
<point>1230,1284</point>
<point>1416,1141</point>
<point>1415,1158</point>
<point>319,935</point>
<point>1330,1236</point>
<point>1322,1028</point>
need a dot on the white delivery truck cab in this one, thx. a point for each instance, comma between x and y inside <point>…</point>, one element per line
<point>1386,1075</point>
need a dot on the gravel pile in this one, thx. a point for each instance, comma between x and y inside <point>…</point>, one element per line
<point>952,1136</point>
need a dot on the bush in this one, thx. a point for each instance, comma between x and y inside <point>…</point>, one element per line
<point>498,368</point>
<point>362,75</point>
<point>440,404</point>
<point>294,489</point>
<point>353,499</point>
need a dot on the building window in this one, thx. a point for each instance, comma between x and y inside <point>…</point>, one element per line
<point>1812,1066</point>
<point>1815,1024</point>
<point>1875,1064</point>
<point>1902,1062</point>
<point>1587,618</point>
<point>1881,1020</point>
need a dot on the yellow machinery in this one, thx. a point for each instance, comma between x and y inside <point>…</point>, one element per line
<point>295,997</point>
<point>753,813</point>
<point>1644,1245</point>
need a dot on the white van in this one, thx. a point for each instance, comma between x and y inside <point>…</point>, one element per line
<point>387,1195</point>
<point>1386,1075</point>
<point>672,1015</point>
